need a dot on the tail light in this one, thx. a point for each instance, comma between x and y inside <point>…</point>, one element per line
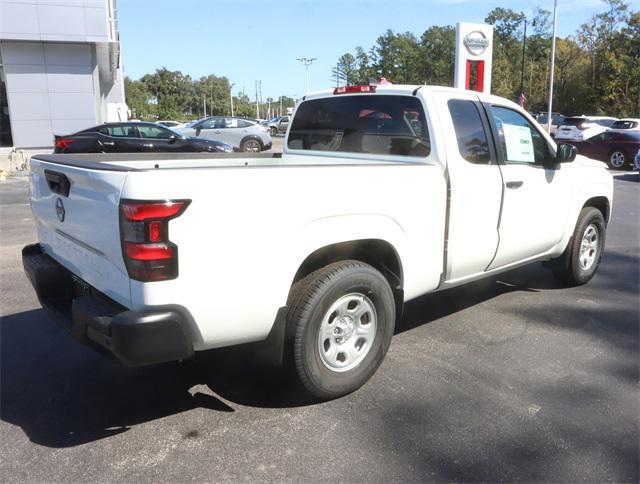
<point>354,89</point>
<point>148,253</point>
<point>63,143</point>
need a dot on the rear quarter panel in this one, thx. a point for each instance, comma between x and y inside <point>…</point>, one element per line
<point>247,231</point>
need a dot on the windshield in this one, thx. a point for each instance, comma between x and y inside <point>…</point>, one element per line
<point>575,121</point>
<point>375,124</point>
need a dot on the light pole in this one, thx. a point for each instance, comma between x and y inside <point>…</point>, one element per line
<point>231,97</point>
<point>306,63</point>
<point>553,62</point>
<point>521,98</point>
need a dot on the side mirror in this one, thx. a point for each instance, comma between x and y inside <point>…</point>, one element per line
<point>172,138</point>
<point>198,129</point>
<point>566,153</point>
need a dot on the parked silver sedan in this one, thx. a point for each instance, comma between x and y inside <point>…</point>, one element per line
<point>242,134</point>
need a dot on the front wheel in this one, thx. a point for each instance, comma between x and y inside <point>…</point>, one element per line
<point>617,159</point>
<point>341,319</point>
<point>585,251</point>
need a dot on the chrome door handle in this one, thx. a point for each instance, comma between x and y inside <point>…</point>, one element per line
<point>147,145</point>
<point>218,132</point>
<point>108,143</point>
<point>514,184</point>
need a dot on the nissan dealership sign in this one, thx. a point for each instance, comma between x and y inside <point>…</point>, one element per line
<point>474,52</point>
<point>476,42</point>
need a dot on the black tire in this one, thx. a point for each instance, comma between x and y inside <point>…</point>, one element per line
<point>573,273</point>
<point>248,144</point>
<point>619,153</point>
<point>309,301</point>
<point>273,130</point>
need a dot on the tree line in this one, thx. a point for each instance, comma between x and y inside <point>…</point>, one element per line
<point>167,94</point>
<point>597,69</point>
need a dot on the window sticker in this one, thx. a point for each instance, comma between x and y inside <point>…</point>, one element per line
<point>519,143</point>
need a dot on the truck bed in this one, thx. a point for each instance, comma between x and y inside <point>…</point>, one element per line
<point>128,162</point>
<point>153,161</point>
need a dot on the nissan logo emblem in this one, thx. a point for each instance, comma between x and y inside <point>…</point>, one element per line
<point>60,209</point>
<point>476,42</point>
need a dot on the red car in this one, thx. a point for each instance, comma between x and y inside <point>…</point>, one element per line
<point>616,148</point>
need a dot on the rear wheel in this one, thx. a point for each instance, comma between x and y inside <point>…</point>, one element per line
<point>587,245</point>
<point>251,146</point>
<point>617,159</point>
<point>273,130</point>
<point>341,319</point>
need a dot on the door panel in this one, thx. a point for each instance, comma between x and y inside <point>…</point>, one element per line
<point>476,186</point>
<point>536,197</point>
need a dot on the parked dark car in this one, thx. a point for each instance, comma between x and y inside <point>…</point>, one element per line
<point>616,148</point>
<point>134,137</point>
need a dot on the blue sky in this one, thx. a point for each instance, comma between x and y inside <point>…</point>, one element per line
<point>247,40</point>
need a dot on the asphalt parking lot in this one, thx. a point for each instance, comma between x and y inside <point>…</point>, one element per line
<point>509,379</point>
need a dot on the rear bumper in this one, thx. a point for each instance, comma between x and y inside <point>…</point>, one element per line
<point>134,337</point>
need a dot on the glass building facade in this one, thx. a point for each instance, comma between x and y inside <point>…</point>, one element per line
<point>5,121</point>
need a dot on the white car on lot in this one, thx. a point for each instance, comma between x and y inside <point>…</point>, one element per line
<point>580,128</point>
<point>242,134</point>
<point>382,194</point>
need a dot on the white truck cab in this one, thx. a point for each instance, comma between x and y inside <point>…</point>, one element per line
<point>382,194</point>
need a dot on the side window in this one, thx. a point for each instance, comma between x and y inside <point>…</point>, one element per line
<point>119,131</point>
<point>520,141</point>
<point>156,132</point>
<point>473,143</point>
<point>375,124</point>
<point>243,123</point>
<point>284,120</point>
<point>230,123</point>
<point>208,124</point>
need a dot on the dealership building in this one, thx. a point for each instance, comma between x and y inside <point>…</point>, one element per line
<point>60,69</point>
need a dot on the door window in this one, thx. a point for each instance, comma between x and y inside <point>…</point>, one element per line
<point>520,141</point>
<point>212,123</point>
<point>120,131</point>
<point>155,132</point>
<point>230,123</point>
<point>473,143</point>
<point>243,123</point>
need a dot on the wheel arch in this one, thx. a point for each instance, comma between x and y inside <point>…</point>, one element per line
<point>378,253</point>
<point>602,204</point>
<point>252,137</point>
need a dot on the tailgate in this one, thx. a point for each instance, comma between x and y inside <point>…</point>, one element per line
<point>80,229</point>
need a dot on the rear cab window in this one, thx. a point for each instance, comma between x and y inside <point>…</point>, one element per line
<point>473,143</point>
<point>373,124</point>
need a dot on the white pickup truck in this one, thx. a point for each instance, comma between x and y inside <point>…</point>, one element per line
<point>382,194</point>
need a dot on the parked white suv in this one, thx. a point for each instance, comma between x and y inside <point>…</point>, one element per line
<point>580,128</point>
<point>382,194</point>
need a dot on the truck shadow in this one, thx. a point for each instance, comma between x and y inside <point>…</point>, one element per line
<point>62,394</point>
